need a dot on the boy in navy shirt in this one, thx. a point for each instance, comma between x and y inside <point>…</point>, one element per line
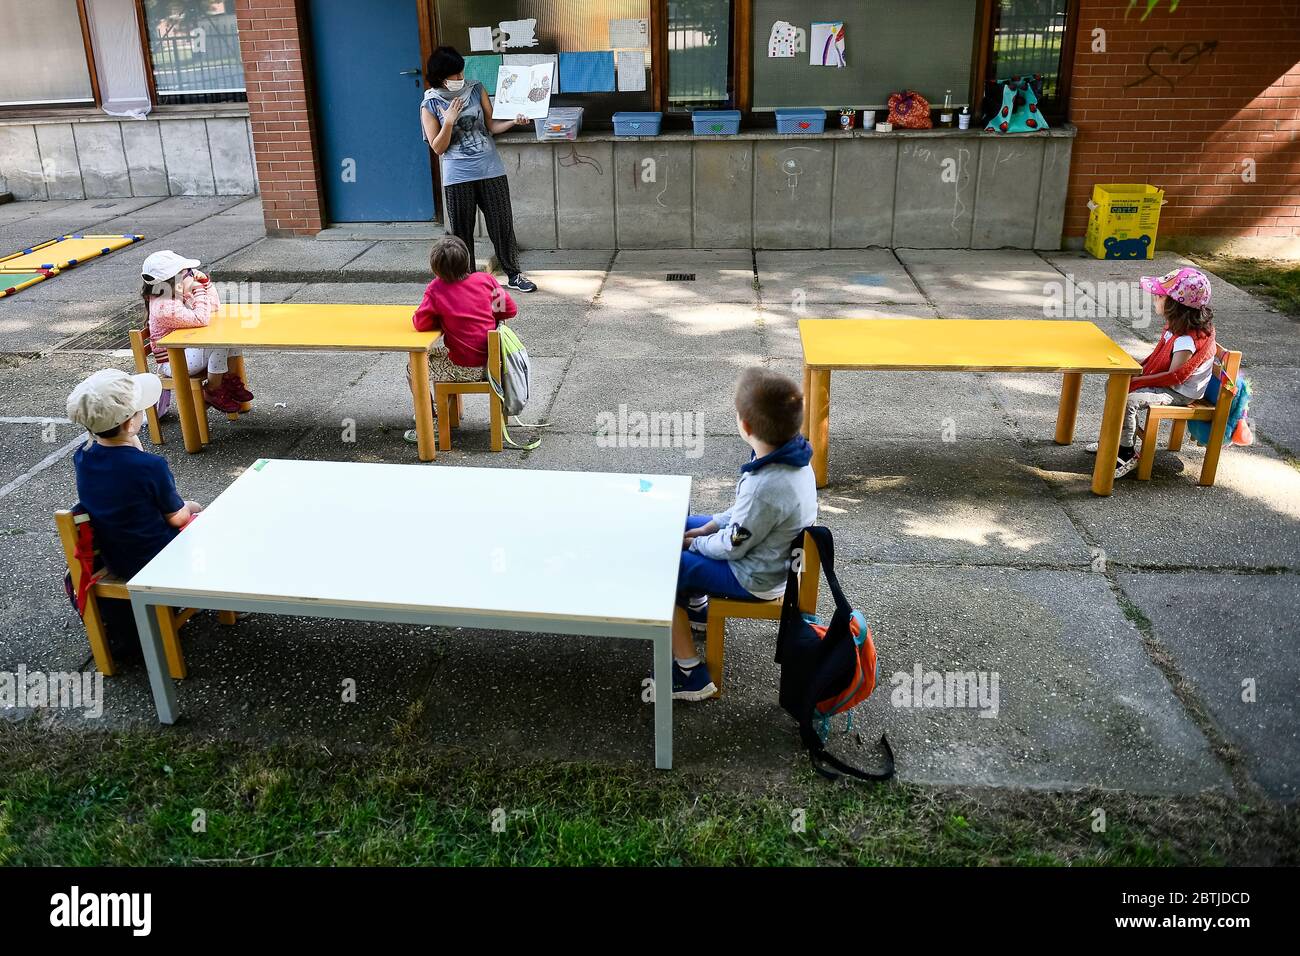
<point>129,494</point>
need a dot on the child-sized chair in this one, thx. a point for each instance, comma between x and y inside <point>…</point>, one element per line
<point>447,400</point>
<point>722,608</point>
<point>140,352</point>
<point>170,620</point>
<point>1226,365</point>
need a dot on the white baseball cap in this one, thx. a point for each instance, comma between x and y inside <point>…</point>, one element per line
<point>110,397</point>
<point>161,266</point>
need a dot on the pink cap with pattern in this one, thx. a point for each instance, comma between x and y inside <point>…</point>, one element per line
<point>1189,286</point>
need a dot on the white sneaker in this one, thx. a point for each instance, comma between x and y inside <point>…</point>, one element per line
<point>1091,447</point>
<point>1122,467</point>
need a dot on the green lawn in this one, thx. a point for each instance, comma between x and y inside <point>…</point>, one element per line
<point>1279,282</point>
<point>129,799</point>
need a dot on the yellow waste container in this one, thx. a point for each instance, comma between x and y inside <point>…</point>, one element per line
<point>1124,220</point>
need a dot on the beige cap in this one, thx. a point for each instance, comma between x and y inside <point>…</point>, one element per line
<point>110,397</point>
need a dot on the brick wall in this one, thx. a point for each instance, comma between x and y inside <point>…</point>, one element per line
<point>1190,129</point>
<point>272,41</point>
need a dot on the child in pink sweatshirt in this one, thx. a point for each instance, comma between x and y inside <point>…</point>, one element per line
<point>178,296</point>
<point>466,305</point>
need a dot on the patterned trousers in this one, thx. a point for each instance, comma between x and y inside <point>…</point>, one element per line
<point>493,197</point>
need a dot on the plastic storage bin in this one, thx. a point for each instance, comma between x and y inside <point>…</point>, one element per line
<point>801,121</point>
<point>637,124</point>
<point>715,122</point>
<point>562,122</point>
<point>1124,220</point>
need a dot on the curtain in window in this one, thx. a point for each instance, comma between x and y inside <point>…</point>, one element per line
<point>119,61</point>
<point>42,54</point>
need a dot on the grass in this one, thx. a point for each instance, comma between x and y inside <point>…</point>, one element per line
<point>130,798</point>
<point>1277,281</point>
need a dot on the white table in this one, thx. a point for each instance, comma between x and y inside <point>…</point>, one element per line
<point>513,549</point>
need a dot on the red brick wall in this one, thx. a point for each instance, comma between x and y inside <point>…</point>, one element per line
<point>284,137</point>
<point>1190,135</point>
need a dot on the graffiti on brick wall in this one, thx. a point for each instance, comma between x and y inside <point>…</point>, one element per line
<point>1151,5</point>
<point>1171,66</point>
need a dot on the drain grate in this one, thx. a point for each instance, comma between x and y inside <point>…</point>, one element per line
<point>681,277</point>
<point>110,336</point>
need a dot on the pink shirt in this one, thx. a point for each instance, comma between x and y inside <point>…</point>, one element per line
<point>465,311</point>
<point>169,313</point>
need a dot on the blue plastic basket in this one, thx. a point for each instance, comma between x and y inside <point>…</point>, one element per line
<point>637,124</point>
<point>715,122</point>
<point>801,121</point>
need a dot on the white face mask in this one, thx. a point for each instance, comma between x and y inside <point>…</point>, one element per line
<point>454,86</point>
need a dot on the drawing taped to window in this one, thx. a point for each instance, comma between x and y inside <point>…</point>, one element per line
<point>524,90</point>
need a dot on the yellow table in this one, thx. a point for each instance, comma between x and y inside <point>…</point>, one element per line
<point>310,327</point>
<point>1073,349</point>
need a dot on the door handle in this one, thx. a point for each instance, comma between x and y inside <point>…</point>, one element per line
<point>415,72</point>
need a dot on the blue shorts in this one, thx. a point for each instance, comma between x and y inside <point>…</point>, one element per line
<point>699,575</point>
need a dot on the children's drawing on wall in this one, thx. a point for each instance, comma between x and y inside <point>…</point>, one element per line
<point>792,166</point>
<point>827,47</point>
<point>524,89</point>
<point>519,32</point>
<point>786,40</point>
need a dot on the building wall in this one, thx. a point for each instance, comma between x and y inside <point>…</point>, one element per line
<point>273,41</point>
<point>1182,101</point>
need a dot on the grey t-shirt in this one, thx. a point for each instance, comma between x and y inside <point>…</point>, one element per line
<point>472,154</point>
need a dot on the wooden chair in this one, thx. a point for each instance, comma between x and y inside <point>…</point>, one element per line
<point>447,400</point>
<point>720,609</point>
<point>170,620</point>
<point>1226,366</point>
<point>140,352</point>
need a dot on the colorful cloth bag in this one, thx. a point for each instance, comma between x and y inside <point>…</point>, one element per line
<point>1019,112</point>
<point>909,110</point>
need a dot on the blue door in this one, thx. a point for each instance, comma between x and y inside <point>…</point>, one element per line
<point>368,90</point>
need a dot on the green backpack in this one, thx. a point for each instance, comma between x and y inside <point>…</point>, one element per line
<point>512,389</point>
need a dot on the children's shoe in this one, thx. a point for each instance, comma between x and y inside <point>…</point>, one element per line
<point>521,284</point>
<point>235,388</point>
<point>1092,446</point>
<point>693,684</point>
<point>1124,465</point>
<point>411,435</point>
<point>221,400</point>
<point>697,612</point>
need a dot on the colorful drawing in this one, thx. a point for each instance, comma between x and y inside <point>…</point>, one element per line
<point>524,90</point>
<point>786,40</point>
<point>827,47</point>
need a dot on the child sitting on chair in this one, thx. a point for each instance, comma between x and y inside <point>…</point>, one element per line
<point>1179,369</point>
<point>178,296</point>
<point>466,305</point>
<point>744,552</point>
<point>129,493</point>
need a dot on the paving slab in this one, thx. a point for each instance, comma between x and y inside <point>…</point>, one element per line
<point>361,293</point>
<point>960,280</point>
<point>304,259</point>
<point>713,284</point>
<point>399,259</point>
<point>1079,703</point>
<point>32,327</point>
<point>1233,637</point>
<point>685,330</point>
<point>1250,518</point>
<point>812,278</point>
<point>1274,402</point>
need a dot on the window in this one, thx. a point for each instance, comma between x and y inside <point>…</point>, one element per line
<point>699,33</point>
<point>1029,37</point>
<point>43,54</point>
<point>194,46</point>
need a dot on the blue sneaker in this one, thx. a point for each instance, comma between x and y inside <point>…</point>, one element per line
<point>693,684</point>
<point>520,283</point>
<point>697,612</point>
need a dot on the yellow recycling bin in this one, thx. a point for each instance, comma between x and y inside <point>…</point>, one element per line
<point>1124,220</point>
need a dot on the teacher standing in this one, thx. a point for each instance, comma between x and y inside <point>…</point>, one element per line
<point>458,124</point>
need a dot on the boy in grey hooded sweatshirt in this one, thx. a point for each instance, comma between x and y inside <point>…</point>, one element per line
<point>744,552</point>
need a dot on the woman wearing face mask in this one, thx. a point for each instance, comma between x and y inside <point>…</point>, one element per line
<point>458,124</point>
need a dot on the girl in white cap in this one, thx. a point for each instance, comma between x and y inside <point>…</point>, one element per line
<point>178,296</point>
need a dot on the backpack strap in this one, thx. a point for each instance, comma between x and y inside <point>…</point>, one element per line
<point>84,552</point>
<point>508,335</point>
<point>838,768</point>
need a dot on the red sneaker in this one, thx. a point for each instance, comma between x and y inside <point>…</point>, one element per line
<point>235,388</point>
<point>221,400</point>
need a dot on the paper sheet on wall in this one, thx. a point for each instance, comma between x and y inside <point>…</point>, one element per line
<point>524,90</point>
<point>631,71</point>
<point>826,46</point>
<point>480,39</point>
<point>629,33</point>
<point>786,40</point>
<point>484,69</point>
<point>532,59</point>
<point>519,32</point>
